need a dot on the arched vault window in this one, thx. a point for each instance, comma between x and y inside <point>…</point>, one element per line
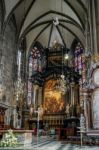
<point>36,65</point>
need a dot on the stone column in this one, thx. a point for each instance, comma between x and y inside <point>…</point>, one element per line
<point>0,55</point>
<point>1,47</point>
<point>35,88</point>
<point>85,95</point>
<point>90,24</point>
<point>97,20</point>
<point>72,94</point>
<point>14,117</point>
<point>93,27</point>
<point>2,61</point>
<point>72,98</point>
<point>40,96</point>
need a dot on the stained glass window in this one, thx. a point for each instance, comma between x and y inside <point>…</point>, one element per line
<point>36,64</point>
<point>80,62</point>
<point>80,67</point>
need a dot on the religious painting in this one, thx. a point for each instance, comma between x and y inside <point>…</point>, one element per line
<point>53,99</point>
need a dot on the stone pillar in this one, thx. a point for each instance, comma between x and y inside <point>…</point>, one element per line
<point>35,88</point>
<point>0,55</point>
<point>72,98</point>
<point>14,117</point>
<point>1,41</point>
<point>40,96</point>
<point>93,27</point>
<point>2,61</point>
<point>85,95</point>
<point>72,94</point>
<point>0,48</point>
<point>97,20</point>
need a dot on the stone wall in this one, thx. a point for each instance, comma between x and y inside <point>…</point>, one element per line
<point>8,57</point>
<point>1,16</point>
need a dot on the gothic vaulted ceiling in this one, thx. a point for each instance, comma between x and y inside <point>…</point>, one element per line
<point>35,19</point>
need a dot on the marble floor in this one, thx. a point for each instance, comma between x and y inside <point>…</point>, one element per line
<point>46,143</point>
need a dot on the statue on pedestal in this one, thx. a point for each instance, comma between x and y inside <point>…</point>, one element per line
<point>67,110</point>
<point>31,111</point>
<point>82,121</point>
<point>78,110</point>
<point>41,112</point>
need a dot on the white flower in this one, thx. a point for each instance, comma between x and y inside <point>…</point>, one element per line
<point>9,139</point>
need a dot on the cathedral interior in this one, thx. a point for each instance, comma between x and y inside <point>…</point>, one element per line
<point>49,64</point>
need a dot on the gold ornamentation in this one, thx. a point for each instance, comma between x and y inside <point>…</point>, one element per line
<point>95,58</point>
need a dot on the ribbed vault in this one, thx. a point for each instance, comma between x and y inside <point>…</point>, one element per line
<point>34,20</point>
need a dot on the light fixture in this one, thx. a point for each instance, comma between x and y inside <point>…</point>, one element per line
<point>62,77</point>
<point>63,87</point>
<point>66,56</point>
<point>19,88</point>
<point>19,84</point>
<point>61,82</point>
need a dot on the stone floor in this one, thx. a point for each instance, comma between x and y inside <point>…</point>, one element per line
<point>47,143</point>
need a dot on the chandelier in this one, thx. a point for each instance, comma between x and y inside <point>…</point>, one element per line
<point>62,84</point>
<point>63,87</point>
<point>19,88</point>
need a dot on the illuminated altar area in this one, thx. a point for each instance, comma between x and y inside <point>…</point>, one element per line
<point>53,100</point>
<point>53,90</point>
<point>49,69</point>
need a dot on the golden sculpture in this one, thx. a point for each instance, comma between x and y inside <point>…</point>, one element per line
<point>95,58</point>
<point>67,111</point>
<point>31,111</point>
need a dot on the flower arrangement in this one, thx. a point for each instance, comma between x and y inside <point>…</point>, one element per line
<point>9,140</point>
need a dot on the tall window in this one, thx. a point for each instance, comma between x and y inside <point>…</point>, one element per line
<point>19,63</point>
<point>80,62</point>
<point>37,63</point>
<point>81,69</point>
